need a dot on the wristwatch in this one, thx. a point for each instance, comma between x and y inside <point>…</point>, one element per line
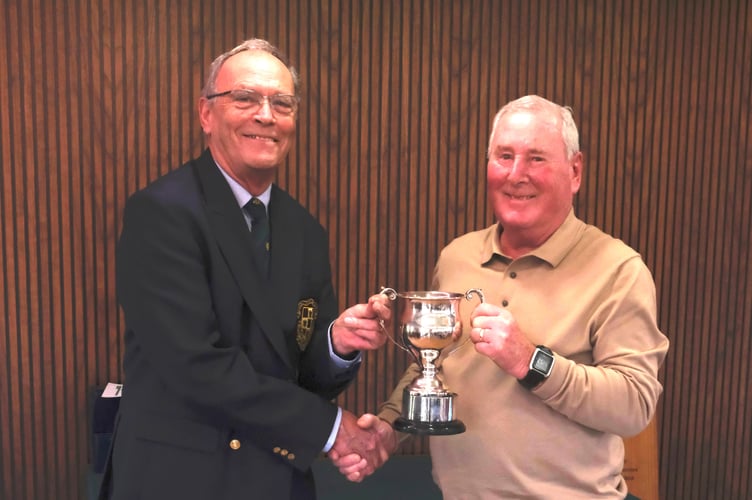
<point>540,367</point>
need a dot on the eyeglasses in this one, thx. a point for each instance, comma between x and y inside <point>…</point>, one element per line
<point>247,99</point>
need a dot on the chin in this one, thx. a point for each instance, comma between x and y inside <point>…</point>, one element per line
<point>515,220</point>
<point>263,163</point>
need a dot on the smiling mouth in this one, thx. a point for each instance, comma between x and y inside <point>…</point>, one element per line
<point>520,197</point>
<point>261,138</point>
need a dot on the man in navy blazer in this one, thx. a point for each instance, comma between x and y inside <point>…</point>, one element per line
<point>231,364</point>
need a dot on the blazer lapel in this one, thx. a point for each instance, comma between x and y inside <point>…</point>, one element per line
<point>286,251</point>
<point>232,235</point>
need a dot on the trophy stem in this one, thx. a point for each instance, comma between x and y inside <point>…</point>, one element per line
<point>429,369</point>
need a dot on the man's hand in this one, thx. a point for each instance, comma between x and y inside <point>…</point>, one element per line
<point>354,463</point>
<point>361,327</point>
<point>497,335</point>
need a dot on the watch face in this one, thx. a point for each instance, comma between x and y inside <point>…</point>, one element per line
<point>542,362</point>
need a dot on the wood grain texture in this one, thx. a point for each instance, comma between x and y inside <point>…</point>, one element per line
<point>99,98</point>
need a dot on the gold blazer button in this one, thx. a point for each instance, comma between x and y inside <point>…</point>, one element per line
<point>235,444</point>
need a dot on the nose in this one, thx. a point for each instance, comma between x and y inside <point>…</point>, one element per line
<point>264,112</point>
<point>517,168</point>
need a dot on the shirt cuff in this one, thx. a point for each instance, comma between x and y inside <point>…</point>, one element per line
<point>339,361</point>
<point>335,430</point>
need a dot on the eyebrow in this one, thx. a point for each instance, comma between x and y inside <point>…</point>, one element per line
<point>533,151</point>
<point>536,151</point>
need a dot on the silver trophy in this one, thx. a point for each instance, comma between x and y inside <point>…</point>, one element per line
<point>429,321</point>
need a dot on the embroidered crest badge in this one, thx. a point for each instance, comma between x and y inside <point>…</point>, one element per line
<point>308,310</point>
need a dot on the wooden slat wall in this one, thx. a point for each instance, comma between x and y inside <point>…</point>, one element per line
<point>98,98</point>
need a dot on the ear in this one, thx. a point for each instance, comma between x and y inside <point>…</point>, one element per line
<point>576,171</point>
<point>204,114</point>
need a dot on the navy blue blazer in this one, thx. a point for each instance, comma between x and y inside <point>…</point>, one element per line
<point>228,381</point>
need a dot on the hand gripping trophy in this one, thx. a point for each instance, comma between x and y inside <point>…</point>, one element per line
<point>429,321</point>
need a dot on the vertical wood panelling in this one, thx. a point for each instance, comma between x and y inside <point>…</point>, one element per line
<point>99,98</point>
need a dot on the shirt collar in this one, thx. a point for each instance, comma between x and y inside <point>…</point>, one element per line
<point>558,245</point>
<point>241,195</point>
<point>553,250</point>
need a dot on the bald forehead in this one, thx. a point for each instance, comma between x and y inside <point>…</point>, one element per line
<point>541,117</point>
<point>535,131</point>
<point>527,120</point>
<point>250,67</point>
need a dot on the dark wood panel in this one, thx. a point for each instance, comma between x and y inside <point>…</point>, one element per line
<point>99,98</point>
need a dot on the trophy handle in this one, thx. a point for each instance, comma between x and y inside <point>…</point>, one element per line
<point>468,295</point>
<point>391,294</point>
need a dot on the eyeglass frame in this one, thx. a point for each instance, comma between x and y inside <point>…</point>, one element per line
<point>262,98</point>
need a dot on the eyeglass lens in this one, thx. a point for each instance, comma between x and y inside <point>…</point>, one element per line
<point>246,99</point>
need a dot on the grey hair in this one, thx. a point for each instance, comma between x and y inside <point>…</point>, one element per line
<point>535,103</point>
<point>251,44</point>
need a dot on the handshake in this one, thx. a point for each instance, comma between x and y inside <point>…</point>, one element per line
<point>362,445</point>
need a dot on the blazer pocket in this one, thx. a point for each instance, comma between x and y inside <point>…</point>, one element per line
<point>179,432</point>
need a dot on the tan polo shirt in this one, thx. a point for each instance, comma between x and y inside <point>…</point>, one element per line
<point>591,299</point>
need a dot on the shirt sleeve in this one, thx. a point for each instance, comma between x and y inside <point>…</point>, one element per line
<point>618,391</point>
<point>340,363</point>
<point>335,430</point>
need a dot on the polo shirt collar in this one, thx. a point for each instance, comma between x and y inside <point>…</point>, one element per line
<point>553,250</point>
<point>559,244</point>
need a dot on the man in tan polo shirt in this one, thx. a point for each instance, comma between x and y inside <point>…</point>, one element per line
<point>561,296</point>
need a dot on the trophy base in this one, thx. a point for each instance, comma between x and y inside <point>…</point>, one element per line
<point>429,428</point>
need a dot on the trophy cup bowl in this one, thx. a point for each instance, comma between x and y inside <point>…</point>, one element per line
<point>429,321</point>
